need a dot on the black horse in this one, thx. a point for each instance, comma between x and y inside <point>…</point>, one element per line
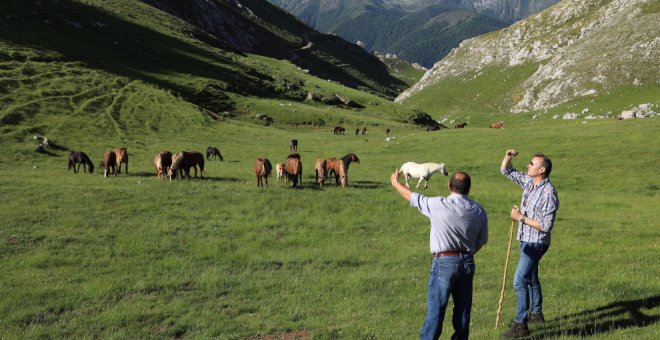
<point>293,145</point>
<point>79,157</point>
<point>213,152</point>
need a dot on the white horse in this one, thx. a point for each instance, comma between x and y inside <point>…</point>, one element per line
<point>421,171</point>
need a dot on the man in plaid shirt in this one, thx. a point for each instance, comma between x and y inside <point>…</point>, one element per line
<point>536,217</point>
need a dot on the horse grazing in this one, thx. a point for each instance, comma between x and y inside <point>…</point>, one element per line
<point>340,166</point>
<point>364,131</point>
<point>293,145</point>
<point>498,125</point>
<point>109,161</point>
<point>293,169</point>
<point>422,171</point>
<point>79,157</point>
<point>212,153</point>
<point>163,162</point>
<point>122,157</point>
<point>339,130</point>
<point>460,126</point>
<point>321,169</point>
<point>281,172</point>
<point>183,161</point>
<point>262,169</point>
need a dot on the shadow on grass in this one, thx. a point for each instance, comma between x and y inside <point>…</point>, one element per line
<point>601,320</point>
<point>367,184</point>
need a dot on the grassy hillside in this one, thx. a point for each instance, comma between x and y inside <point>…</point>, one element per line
<point>137,41</point>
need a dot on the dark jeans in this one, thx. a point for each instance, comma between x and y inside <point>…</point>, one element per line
<point>526,281</point>
<point>450,275</point>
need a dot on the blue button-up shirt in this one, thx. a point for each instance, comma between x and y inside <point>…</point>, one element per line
<point>457,222</point>
<point>538,203</point>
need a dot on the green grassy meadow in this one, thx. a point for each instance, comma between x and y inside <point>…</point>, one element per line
<point>82,256</point>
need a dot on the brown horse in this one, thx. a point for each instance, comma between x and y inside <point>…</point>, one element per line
<point>79,157</point>
<point>162,162</point>
<point>321,169</point>
<point>293,169</point>
<point>460,126</point>
<point>498,125</point>
<point>335,166</point>
<point>339,130</point>
<point>183,161</point>
<point>121,155</point>
<point>109,161</point>
<point>262,169</point>
<point>293,145</point>
<point>212,153</point>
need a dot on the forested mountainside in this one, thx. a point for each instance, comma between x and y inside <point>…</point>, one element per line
<point>576,49</point>
<point>421,31</point>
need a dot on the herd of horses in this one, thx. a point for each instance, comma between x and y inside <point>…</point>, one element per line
<point>291,170</point>
<point>170,166</point>
<point>111,161</point>
<point>167,165</point>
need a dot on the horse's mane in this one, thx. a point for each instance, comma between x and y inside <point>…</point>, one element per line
<point>177,158</point>
<point>293,155</point>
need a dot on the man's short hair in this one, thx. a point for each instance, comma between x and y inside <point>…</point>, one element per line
<point>547,164</point>
<point>460,183</point>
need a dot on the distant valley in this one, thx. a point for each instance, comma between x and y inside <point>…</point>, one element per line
<point>421,31</point>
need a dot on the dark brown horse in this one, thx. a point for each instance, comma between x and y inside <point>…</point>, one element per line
<point>212,153</point>
<point>121,155</point>
<point>109,161</point>
<point>321,169</point>
<point>183,161</point>
<point>460,126</point>
<point>293,145</point>
<point>335,166</point>
<point>78,158</point>
<point>293,168</point>
<point>162,162</point>
<point>339,130</point>
<point>262,169</point>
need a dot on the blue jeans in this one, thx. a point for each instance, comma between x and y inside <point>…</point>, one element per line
<point>450,275</point>
<point>526,281</point>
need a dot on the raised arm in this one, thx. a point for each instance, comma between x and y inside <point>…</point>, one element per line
<point>506,162</point>
<point>400,188</point>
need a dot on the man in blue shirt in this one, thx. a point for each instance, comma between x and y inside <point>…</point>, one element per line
<point>459,228</point>
<point>536,217</point>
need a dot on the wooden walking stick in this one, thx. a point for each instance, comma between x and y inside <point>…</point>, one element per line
<point>506,265</point>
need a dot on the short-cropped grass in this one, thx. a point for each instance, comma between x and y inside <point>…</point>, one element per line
<point>82,256</point>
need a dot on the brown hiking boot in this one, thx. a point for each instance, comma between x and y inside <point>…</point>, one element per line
<point>536,318</point>
<point>517,330</point>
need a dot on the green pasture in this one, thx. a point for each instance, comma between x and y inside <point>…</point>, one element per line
<point>82,256</point>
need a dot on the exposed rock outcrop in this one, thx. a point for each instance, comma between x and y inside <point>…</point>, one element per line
<point>583,47</point>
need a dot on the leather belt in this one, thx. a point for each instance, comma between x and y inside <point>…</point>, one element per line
<point>447,253</point>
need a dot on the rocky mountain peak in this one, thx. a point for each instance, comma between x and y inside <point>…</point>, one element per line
<point>583,47</point>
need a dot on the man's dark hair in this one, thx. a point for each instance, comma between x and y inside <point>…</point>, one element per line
<point>460,183</point>
<point>547,163</point>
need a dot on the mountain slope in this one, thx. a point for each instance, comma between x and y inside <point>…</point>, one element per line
<point>419,30</point>
<point>574,49</point>
<point>182,53</point>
